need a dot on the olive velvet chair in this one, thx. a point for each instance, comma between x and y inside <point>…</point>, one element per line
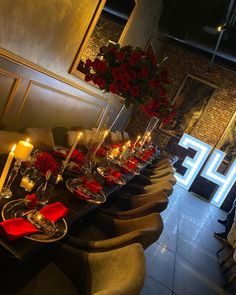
<point>105,232</point>
<point>127,208</point>
<point>76,272</point>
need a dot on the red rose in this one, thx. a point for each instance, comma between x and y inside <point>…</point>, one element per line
<point>95,63</point>
<point>125,86</point>
<point>45,162</point>
<point>88,77</point>
<point>31,200</point>
<point>101,67</point>
<point>134,58</point>
<point>162,92</point>
<point>134,91</point>
<point>132,75</point>
<point>88,63</point>
<point>144,72</point>
<point>120,56</point>
<point>115,72</point>
<point>153,83</point>
<point>113,88</point>
<point>101,83</point>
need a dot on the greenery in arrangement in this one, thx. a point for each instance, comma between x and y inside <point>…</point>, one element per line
<point>134,74</point>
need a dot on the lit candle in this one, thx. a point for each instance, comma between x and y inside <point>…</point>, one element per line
<point>115,152</point>
<point>29,185</point>
<point>124,148</point>
<point>24,181</point>
<point>136,141</point>
<point>7,167</point>
<point>23,150</point>
<point>73,148</point>
<point>128,143</point>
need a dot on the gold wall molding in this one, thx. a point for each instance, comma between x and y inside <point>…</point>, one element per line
<point>55,90</point>
<point>73,70</point>
<point>15,84</point>
<point>23,62</point>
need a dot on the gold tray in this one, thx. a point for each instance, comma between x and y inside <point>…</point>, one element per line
<point>17,208</point>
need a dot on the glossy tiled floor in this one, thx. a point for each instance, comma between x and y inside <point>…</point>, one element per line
<point>183,261</point>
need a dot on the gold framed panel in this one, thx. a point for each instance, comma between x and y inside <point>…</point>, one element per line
<point>74,67</point>
<point>191,101</point>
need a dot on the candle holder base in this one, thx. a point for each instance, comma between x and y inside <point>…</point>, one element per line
<point>6,193</point>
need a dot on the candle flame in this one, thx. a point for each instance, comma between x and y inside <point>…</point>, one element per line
<point>27,140</point>
<point>80,134</point>
<point>13,148</point>
<point>139,136</point>
<point>106,132</point>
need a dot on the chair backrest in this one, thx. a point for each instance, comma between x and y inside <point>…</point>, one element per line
<point>60,136</point>
<point>8,139</point>
<point>40,137</point>
<point>72,135</point>
<point>126,135</point>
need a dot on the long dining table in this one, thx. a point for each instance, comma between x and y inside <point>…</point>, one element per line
<point>24,248</point>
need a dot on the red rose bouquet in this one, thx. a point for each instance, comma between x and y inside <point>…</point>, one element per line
<point>45,162</point>
<point>160,108</point>
<point>129,72</point>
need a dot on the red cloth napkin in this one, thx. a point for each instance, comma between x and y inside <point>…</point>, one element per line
<point>54,211</point>
<point>82,195</point>
<point>129,165</point>
<point>112,174</point>
<point>101,152</point>
<point>78,156</point>
<point>92,185</point>
<point>16,228</point>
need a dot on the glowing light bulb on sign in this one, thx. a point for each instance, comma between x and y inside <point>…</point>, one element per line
<point>225,181</point>
<point>194,164</point>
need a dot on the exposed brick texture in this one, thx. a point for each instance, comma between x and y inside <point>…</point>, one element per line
<point>105,30</point>
<point>216,115</point>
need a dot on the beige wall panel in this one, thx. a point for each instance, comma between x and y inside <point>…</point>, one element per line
<point>8,84</point>
<point>48,107</point>
<point>46,32</point>
<point>144,23</point>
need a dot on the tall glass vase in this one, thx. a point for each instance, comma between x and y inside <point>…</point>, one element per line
<point>104,127</point>
<point>150,127</point>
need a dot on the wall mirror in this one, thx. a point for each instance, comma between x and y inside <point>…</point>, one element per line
<point>109,23</point>
<point>191,101</point>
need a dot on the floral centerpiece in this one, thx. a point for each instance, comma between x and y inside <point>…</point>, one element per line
<point>45,162</point>
<point>129,72</point>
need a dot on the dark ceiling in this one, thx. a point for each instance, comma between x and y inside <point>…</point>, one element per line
<point>194,23</point>
<point>191,23</point>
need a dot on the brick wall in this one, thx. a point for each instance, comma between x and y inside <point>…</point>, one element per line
<point>105,30</point>
<point>217,114</point>
<point>221,108</point>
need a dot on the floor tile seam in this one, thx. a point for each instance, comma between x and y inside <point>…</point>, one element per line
<point>198,267</point>
<point>165,247</point>
<point>201,271</point>
<point>188,238</point>
<point>177,234</point>
<point>157,281</point>
<point>197,244</point>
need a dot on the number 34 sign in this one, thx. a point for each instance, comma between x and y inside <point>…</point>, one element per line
<point>224,181</point>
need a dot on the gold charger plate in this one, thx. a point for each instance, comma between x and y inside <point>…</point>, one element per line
<point>73,183</point>
<point>17,208</point>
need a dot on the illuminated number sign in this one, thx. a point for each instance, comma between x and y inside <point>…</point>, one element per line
<point>225,181</point>
<point>193,165</point>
